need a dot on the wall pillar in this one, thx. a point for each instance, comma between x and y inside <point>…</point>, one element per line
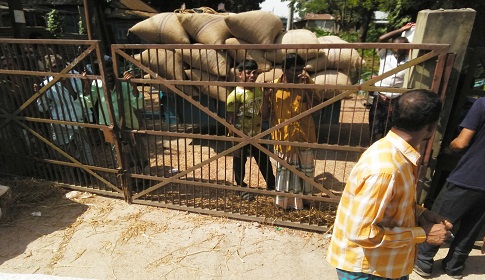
<point>441,26</point>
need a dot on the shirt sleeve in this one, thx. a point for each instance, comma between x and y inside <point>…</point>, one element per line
<point>135,101</point>
<point>476,116</point>
<point>231,102</point>
<point>371,201</point>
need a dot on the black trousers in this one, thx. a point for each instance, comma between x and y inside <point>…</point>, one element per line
<point>262,159</point>
<point>458,205</point>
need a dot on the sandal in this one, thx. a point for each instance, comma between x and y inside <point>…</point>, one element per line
<point>247,196</point>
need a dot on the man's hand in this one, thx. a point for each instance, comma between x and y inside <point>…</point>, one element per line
<point>127,76</point>
<point>36,87</point>
<point>303,78</point>
<point>436,234</point>
<point>408,26</point>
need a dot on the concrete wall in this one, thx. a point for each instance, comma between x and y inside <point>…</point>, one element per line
<point>441,26</point>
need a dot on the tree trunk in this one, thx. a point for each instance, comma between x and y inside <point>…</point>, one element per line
<point>364,26</point>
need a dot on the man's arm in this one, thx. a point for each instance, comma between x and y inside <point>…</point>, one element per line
<point>432,224</point>
<point>266,104</point>
<point>462,141</point>
<point>394,34</point>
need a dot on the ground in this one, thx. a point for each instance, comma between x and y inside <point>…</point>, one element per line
<point>75,234</point>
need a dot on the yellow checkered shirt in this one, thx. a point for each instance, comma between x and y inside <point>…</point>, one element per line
<point>375,230</point>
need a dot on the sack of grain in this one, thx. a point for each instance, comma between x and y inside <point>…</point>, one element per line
<point>331,77</point>
<point>205,28</point>
<point>168,64</point>
<point>295,36</point>
<point>215,62</point>
<point>256,55</point>
<point>318,63</point>
<point>270,76</point>
<point>163,28</point>
<point>331,39</point>
<point>257,27</point>
<point>218,92</point>
<point>344,59</point>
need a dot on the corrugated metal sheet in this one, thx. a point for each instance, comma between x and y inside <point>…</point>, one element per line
<point>137,5</point>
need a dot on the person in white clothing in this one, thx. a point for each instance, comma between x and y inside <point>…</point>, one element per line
<point>381,111</point>
<point>64,101</point>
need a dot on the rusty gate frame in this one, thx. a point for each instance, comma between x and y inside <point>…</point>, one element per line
<point>93,47</point>
<point>442,71</point>
<point>114,134</point>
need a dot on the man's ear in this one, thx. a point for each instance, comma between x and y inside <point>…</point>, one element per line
<point>432,127</point>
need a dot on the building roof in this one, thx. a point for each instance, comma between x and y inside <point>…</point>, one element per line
<point>312,16</point>
<point>134,5</point>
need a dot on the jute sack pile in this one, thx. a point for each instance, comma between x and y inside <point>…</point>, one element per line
<point>344,59</point>
<point>331,77</point>
<point>163,28</point>
<point>257,27</point>
<point>218,92</point>
<point>168,64</point>
<point>215,62</point>
<point>205,28</point>
<point>240,54</point>
<point>270,76</point>
<point>295,36</point>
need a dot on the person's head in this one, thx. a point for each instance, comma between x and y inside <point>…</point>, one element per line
<point>247,70</point>
<point>415,110</point>
<point>53,62</point>
<point>400,52</point>
<point>108,70</point>
<point>293,65</point>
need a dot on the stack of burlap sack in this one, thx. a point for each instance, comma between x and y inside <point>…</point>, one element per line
<point>326,66</point>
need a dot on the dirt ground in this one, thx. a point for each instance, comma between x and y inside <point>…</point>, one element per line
<point>75,234</point>
<point>57,232</point>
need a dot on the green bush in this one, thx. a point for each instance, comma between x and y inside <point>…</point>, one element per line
<point>55,23</point>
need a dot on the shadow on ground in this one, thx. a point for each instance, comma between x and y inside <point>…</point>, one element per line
<point>37,208</point>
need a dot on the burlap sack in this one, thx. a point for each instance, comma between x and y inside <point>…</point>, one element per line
<point>318,63</point>
<point>295,36</point>
<point>347,60</point>
<point>215,62</point>
<point>330,77</point>
<point>232,75</point>
<point>256,55</point>
<point>257,27</point>
<point>205,28</point>
<point>163,28</point>
<point>168,64</point>
<point>331,39</point>
<point>218,92</point>
<point>270,76</point>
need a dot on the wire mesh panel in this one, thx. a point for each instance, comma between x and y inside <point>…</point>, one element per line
<point>313,122</point>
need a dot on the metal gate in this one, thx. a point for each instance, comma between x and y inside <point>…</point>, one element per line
<point>472,86</point>
<point>180,153</point>
<point>47,128</point>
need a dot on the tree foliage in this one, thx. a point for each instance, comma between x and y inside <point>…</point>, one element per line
<point>55,23</point>
<point>358,14</point>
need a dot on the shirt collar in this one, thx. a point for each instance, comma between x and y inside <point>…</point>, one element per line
<point>407,150</point>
